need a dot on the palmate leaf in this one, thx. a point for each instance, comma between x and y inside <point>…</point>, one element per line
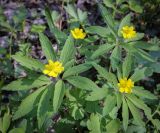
<point>77,69</point>
<point>135,113</point>
<point>125,114</point>
<point>27,83</point>
<point>44,105</point>
<point>102,50</point>
<point>59,35</point>
<point>125,22</point>
<point>71,10</point>
<point>29,62</point>
<point>82,83</point>
<point>68,51</point>
<point>58,95</point>
<point>28,103</point>
<point>94,123</point>
<point>47,47</point>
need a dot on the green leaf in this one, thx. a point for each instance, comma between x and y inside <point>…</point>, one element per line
<point>139,91</point>
<point>29,62</point>
<point>109,3</point>
<point>28,103</point>
<point>141,74</point>
<point>38,28</point>
<point>71,10</point>
<point>134,5</point>
<point>145,55</point>
<point>102,50</point>
<point>59,35</point>
<point>6,122</point>
<point>17,130</point>
<point>116,57</point>
<point>82,15</point>
<point>125,114</point>
<point>82,83</point>
<point>94,123</point>
<point>109,104</point>
<point>58,95</point>
<point>106,75</point>
<point>140,104</point>
<point>77,69</point>
<point>108,19</point>
<point>119,99</point>
<point>97,94</point>
<point>27,83</point>
<point>47,47</point>
<point>113,126</point>
<point>125,22</point>
<point>76,112</point>
<point>127,65</point>
<point>99,30</point>
<point>69,64</point>
<point>68,51</point>
<point>145,45</point>
<point>44,105</point>
<point>136,114</point>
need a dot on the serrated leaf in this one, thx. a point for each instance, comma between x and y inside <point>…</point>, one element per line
<point>29,62</point>
<point>68,51</point>
<point>82,15</point>
<point>27,83</point>
<point>77,69</point>
<point>47,47</point>
<point>113,126</point>
<point>127,65</point>
<point>140,74</point>
<point>82,83</point>
<point>58,95</point>
<point>94,123</point>
<point>135,113</point>
<point>125,114</point>
<point>109,104</point>
<point>43,105</point>
<point>125,22</point>
<point>139,91</point>
<point>28,103</point>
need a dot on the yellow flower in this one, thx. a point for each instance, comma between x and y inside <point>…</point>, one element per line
<point>128,32</point>
<point>125,86</point>
<point>53,69</point>
<point>78,33</point>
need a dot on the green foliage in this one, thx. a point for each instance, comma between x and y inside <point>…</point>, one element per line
<point>86,96</point>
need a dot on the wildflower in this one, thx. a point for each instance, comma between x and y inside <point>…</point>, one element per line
<point>78,33</point>
<point>53,69</point>
<point>125,86</point>
<point>128,32</point>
